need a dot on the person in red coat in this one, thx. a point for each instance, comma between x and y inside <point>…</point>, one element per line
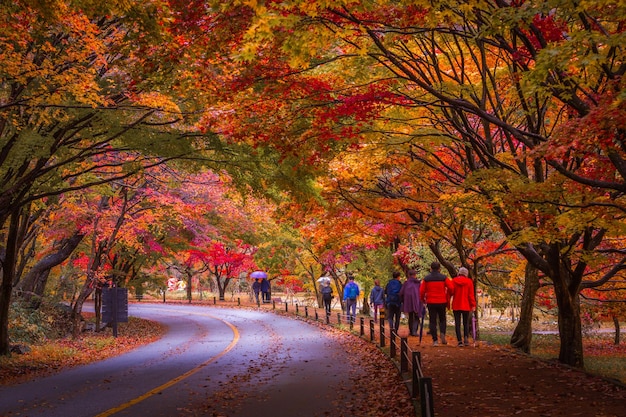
<point>435,291</point>
<point>463,301</point>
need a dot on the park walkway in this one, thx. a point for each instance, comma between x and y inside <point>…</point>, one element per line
<point>488,380</point>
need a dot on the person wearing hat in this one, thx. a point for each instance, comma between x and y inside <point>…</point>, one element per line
<point>463,301</point>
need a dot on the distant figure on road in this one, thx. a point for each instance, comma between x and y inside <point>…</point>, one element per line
<point>265,290</point>
<point>435,291</point>
<point>393,301</point>
<point>463,301</point>
<point>411,303</point>
<point>256,287</point>
<point>377,298</point>
<point>350,294</point>
<point>327,296</point>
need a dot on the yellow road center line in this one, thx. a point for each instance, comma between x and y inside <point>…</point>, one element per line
<point>180,377</point>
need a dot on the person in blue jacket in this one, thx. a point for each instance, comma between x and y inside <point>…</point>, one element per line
<point>377,298</point>
<point>393,300</point>
<point>350,294</point>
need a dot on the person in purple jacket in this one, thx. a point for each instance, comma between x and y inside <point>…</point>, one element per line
<point>411,303</point>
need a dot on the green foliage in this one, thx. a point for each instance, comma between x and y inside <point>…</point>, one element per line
<point>35,326</point>
<point>370,265</point>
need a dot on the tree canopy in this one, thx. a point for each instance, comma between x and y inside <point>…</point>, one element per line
<point>486,131</point>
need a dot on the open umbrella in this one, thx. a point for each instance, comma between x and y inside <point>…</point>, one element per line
<point>258,274</point>
<point>322,280</point>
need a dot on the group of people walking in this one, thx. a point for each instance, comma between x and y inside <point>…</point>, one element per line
<point>261,286</point>
<point>435,293</point>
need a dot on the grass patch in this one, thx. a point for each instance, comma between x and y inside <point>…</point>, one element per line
<point>611,367</point>
<point>602,356</point>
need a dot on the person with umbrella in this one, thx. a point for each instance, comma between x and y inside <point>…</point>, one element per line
<point>264,285</point>
<point>256,287</point>
<point>265,290</point>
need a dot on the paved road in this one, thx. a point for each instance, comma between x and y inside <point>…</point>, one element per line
<point>212,362</point>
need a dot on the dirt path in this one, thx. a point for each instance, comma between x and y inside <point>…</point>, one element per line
<point>491,381</point>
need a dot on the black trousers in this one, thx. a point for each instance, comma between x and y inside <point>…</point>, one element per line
<point>393,316</point>
<point>461,317</point>
<point>437,318</point>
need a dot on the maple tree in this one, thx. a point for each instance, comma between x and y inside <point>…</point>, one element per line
<point>92,94</point>
<point>457,123</point>
<point>64,77</point>
<point>495,101</point>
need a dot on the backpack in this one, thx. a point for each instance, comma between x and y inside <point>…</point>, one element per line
<point>327,292</point>
<point>393,292</point>
<point>352,291</point>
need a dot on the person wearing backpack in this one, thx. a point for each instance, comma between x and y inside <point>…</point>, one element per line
<point>392,300</point>
<point>327,296</point>
<point>350,294</point>
<point>377,298</point>
<point>411,303</point>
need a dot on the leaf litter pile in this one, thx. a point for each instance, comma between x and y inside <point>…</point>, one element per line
<point>55,355</point>
<point>497,381</point>
<point>377,387</point>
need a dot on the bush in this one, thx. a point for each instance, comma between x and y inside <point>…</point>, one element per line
<point>33,326</point>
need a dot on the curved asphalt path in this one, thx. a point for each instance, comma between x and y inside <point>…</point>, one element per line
<point>212,362</point>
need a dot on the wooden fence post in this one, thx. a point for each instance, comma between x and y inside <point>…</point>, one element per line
<point>416,372</point>
<point>426,397</point>
<point>392,343</point>
<point>404,352</point>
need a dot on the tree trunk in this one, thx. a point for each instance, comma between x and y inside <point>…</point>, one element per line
<point>97,306</point>
<point>85,292</point>
<point>189,292</point>
<point>9,264</point>
<point>523,333</point>
<point>616,323</point>
<point>221,286</point>
<point>78,308</point>
<point>567,283</point>
<point>570,328</point>
<point>33,284</point>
